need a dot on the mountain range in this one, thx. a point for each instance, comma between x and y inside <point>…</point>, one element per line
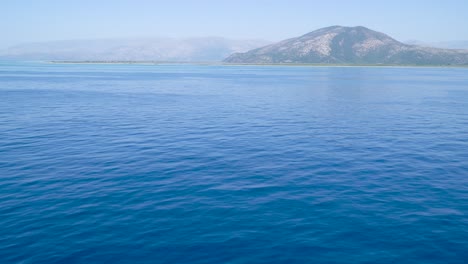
<point>454,44</point>
<point>349,45</point>
<point>202,49</point>
<point>330,45</point>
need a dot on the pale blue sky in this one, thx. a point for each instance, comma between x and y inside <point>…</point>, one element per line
<point>42,20</point>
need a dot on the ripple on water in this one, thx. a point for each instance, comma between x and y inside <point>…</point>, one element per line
<point>211,164</point>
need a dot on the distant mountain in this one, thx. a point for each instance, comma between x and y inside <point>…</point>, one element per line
<point>455,44</point>
<point>207,49</point>
<point>350,45</point>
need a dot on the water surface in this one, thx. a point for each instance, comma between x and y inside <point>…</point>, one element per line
<point>232,164</point>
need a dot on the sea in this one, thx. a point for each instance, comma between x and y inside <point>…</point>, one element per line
<point>180,163</point>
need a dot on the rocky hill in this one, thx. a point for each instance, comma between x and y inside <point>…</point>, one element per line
<point>349,45</point>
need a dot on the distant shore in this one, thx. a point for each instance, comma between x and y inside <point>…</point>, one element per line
<point>258,64</point>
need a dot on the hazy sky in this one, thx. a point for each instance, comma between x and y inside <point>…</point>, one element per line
<point>42,20</point>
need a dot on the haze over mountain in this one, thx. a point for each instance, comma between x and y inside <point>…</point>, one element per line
<point>351,45</point>
<point>454,44</point>
<point>209,49</point>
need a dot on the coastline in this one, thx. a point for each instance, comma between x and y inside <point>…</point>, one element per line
<point>258,64</point>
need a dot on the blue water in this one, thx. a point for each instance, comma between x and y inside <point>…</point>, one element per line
<point>232,164</point>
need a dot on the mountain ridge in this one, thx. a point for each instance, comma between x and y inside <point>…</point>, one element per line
<point>349,45</point>
<point>195,49</point>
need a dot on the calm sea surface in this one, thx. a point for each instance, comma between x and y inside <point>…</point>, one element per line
<point>232,164</point>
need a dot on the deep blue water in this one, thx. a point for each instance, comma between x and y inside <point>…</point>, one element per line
<point>232,164</point>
